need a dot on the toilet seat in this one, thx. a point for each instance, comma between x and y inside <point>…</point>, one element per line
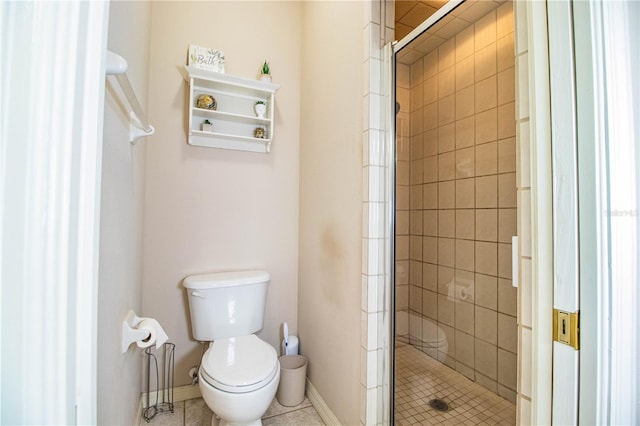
<point>433,335</point>
<point>438,343</point>
<point>239,364</point>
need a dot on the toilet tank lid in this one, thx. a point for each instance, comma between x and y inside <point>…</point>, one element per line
<point>225,279</point>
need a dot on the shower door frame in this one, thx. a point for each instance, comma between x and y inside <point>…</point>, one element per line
<point>389,53</point>
<point>531,26</point>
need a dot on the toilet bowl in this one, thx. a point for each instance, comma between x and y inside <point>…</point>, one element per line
<point>430,337</point>
<point>239,377</point>
<point>435,342</point>
<point>239,373</point>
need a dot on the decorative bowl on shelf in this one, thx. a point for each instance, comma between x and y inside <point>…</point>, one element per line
<point>206,102</point>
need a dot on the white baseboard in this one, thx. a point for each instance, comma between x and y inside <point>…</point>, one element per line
<point>321,407</point>
<point>181,393</point>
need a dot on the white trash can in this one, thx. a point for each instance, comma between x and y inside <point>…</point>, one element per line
<point>293,378</point>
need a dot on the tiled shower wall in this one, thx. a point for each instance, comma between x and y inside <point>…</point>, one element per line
<point>456,200</point>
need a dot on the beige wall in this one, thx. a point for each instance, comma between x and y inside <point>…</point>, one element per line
<point>331,202</point>
<point>209,209</point>
<point>212,209</point>
<point>120,271</point>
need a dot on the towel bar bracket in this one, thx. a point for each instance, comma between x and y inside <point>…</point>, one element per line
<point>117,66</point>
<point>136,132</point>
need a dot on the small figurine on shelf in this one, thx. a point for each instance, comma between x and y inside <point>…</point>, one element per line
<point>207,126</point>
<point>261,108</point>
<point>259,133</point>
<point>265,72</point>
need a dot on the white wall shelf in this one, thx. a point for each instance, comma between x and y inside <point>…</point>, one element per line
<point>234,121</point>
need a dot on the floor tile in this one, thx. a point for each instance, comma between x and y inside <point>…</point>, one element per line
<point>167,418</point>
<point>196,413</point>
<point>420,379</point>
<point>276,408</point>
<point>304,416</point>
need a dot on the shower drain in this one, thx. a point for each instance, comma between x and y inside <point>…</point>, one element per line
<point>438,404</point>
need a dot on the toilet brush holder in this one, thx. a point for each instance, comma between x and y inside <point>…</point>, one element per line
<point>290,346</point>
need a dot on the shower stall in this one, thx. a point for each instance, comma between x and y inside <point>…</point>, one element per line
<point>455,216</point>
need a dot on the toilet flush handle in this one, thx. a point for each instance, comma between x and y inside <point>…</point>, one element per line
<point>197,294</point>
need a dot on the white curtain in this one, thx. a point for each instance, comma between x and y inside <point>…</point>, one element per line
<point>617,43</point>
<point>51,103</point>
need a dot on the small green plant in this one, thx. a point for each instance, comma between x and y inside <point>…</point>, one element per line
<point>260,103</point>
<point>265,68</point>
<point>206,122</point>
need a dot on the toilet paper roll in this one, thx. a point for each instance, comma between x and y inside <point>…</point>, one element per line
<point>465,294</point>
<point>157,335</point>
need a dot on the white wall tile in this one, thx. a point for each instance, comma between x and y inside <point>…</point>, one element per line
<point>372,378</point>
<point>375,110</point>
<point>363,329</point>
<point>373,325</point>
<point>372,406</point>
<point>390,14</point>
<point>375,66</point>
<point>375,284</point>
<point>363,405</point>
<point>372,35</point>
<point>376,148</point>
<point>375,12</point>
<point>374,176</point>
<point>364,293</point>
<point>375,255</point>
<point>375,218</point>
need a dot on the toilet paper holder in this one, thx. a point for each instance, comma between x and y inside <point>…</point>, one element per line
<point>130,334</point>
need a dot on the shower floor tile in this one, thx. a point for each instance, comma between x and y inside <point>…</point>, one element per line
<point>420,378</point>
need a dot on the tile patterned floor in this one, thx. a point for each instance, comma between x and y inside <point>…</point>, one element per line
<point>420,378</point>
<point>194,412</point>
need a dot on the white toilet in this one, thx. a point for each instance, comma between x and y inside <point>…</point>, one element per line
<point>434,340</point>
<point>422,333</point>
<point>239,373</point>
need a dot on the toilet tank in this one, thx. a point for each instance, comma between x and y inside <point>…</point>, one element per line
<point>226,304</point>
